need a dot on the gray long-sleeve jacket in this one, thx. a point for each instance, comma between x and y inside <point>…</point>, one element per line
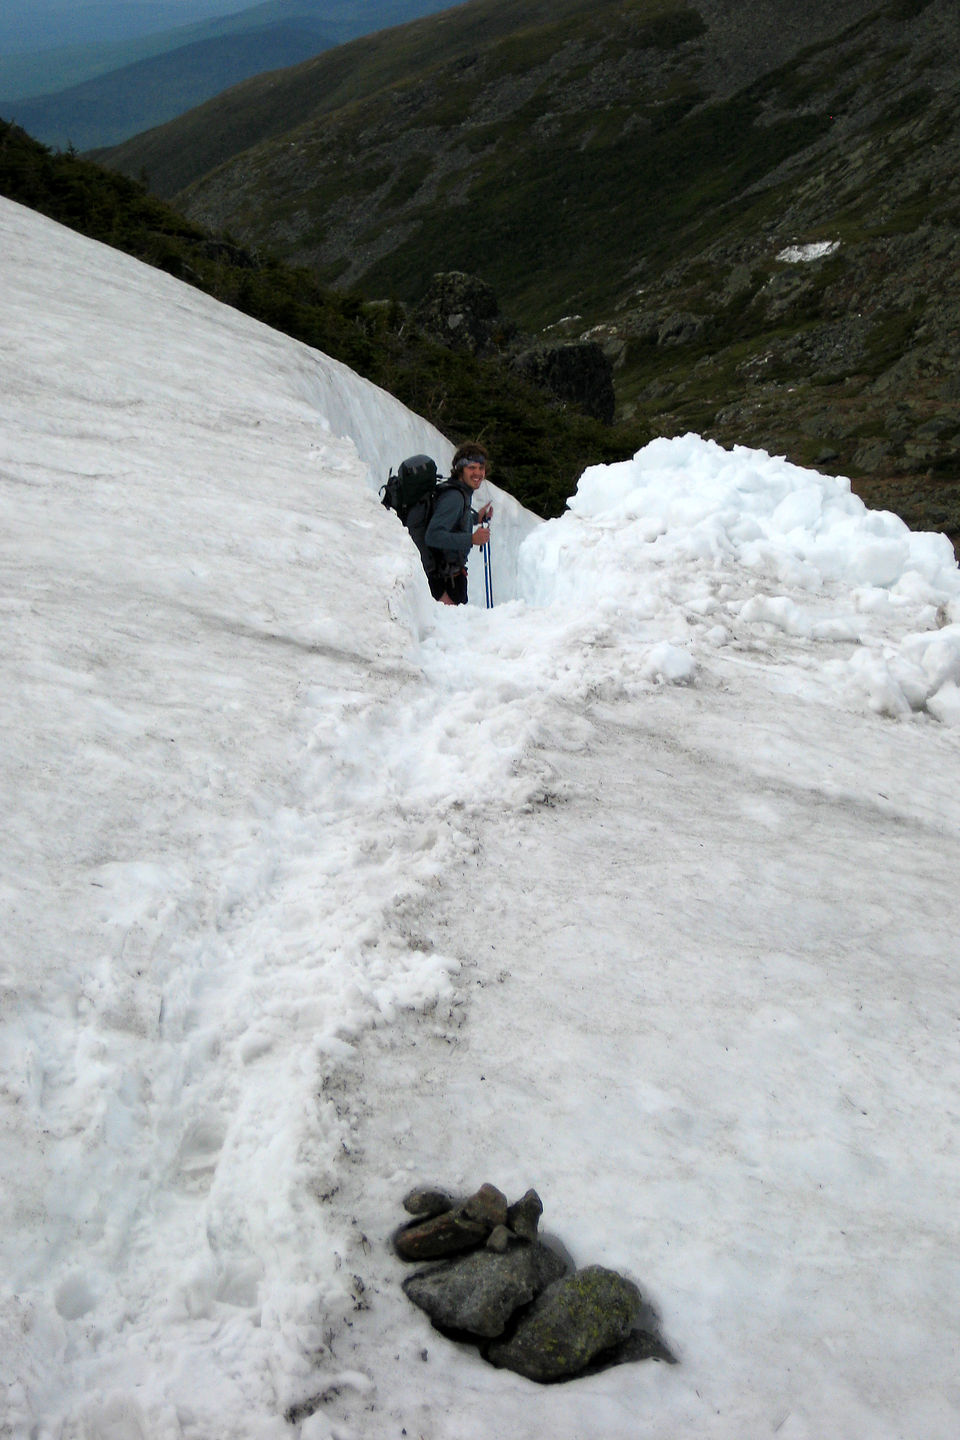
<point>451,525</point>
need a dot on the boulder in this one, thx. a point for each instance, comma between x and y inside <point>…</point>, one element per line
<point>488,1205</point>
<point>500,1239</point>
<point>523,1217</point>
<point>574,1320</point>
<point>479,1293</point>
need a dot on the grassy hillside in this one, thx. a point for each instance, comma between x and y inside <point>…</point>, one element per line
<point>539,447</point>
<point>268,107</point>
<point>641,166</point>
<point>581,131</point>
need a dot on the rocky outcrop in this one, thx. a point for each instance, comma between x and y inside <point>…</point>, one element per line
<point>462,311</point>
<point>576,371</point>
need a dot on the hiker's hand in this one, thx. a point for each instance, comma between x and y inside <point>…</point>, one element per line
<point>481,536</point>
<point>485,513</point>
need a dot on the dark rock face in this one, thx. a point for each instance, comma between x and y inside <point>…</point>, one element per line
<point>573,1321</point>
<point>462,311</point>
<point>578,373</point>
<point>480,1292</point>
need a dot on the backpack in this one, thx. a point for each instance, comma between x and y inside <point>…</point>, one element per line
<point>415,481</point>
<point>412,494</point>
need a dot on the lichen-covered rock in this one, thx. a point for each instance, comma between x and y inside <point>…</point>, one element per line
<point>446,1234</point>
<point>572,1322</point>
<point>479,1293</point>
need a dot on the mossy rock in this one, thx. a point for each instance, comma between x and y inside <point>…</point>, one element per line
<point>573,1321</point>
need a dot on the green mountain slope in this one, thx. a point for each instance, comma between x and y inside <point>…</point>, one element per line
<point>540,446</point>
<point>359,74</point>
<point>643,166</point>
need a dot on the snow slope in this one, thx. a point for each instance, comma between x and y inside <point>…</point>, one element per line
<point>639,889</point>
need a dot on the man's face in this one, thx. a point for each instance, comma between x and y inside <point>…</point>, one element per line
<point>474,473</point>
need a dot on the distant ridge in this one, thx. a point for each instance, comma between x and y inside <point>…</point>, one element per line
<point>106,110</point>
<point>92,95</point>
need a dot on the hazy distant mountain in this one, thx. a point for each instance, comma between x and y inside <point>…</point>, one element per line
<point>30,25</point>
<point>91,95</point>
<point>127,101</point>
<point>755,207</point>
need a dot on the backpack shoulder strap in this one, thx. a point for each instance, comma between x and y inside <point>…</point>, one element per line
<point>445,487</point>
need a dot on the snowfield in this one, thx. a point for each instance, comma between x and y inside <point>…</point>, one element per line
<point>640,889</point>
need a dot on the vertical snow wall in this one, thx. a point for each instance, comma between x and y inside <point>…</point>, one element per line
<point>384,432</point>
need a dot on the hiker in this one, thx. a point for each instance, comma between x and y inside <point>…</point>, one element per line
<point>450,534</point>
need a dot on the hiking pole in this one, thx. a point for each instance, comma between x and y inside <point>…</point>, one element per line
<point>487,572</point>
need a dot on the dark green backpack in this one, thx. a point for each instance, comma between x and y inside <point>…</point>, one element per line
<point>415,481</point>
<point>412,493</point>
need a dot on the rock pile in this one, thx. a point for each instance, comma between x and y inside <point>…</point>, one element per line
<point>494,1282</point>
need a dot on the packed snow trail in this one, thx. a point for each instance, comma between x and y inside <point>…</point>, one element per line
<point>712,1017</point>
<point>637,889</point>
<point>199,887</point>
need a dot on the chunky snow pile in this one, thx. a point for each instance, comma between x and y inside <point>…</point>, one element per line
<point>695,548</point>
<point>800,254</point>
